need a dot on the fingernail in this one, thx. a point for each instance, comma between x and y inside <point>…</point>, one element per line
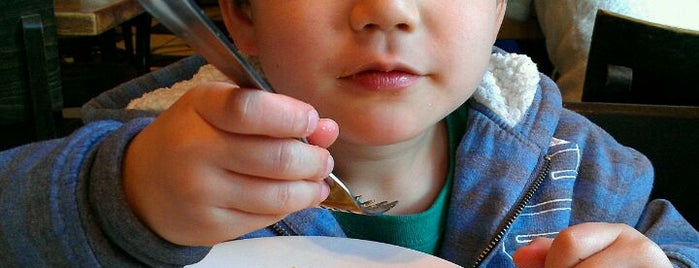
<point>324,191</point>
<point>313,119</point>
<point>329,166</point>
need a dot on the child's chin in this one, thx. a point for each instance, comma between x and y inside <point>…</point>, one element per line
<point>381,135</point>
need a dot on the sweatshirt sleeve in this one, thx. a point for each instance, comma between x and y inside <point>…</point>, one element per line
<point>62,204</point>
<point>662,223</point>
<point>614,185</point>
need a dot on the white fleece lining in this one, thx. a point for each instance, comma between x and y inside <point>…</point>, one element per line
<point>508,86</point>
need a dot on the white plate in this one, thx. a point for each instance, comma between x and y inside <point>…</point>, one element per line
<point>315,251</point>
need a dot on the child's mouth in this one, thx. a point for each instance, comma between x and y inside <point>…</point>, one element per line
<point>383,80</point>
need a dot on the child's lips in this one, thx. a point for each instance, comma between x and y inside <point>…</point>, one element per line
<point>383,80</point>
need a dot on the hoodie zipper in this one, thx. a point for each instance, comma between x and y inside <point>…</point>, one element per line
<point>518,210</point>
<point>277,228</point>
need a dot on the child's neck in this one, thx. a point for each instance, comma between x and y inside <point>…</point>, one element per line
<point>412,173</point>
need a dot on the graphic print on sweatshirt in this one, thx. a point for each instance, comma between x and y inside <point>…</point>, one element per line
<point>548,212</point>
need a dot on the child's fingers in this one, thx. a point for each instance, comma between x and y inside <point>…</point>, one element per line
<point>284,159</point>
<point>259,196</point>
<point>224,230</point>
<point>248,111</point>
<point>579,242</point>
<point>180,172</point>
<point>534,254</point>
<point>214,225</point>
<point>635,251</point>
<point>232,205</point>
<point>589,244</point>
<point>326,133</point>
<point>261,156</point>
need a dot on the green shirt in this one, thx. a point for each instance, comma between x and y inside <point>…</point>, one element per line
<point>422,231</point>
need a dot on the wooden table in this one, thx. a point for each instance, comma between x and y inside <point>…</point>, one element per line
<point>93,17</point>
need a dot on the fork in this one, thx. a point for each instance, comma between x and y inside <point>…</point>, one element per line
<point>188,22</point>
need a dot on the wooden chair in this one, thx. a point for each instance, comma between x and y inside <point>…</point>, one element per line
<point>666,135</point>
<point>634,61</point>
<point>30,85</point>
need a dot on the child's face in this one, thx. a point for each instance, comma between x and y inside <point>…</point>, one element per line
<point>385,70</point>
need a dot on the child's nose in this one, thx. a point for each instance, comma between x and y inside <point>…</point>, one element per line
<point>385,15</point>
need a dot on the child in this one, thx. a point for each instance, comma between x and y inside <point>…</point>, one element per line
<point>403,100</point>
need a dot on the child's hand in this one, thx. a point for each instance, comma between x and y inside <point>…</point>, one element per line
<point>593,245</point>
<point>222,162</point>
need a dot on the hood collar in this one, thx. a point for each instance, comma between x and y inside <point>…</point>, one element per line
<point>508,86</point>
